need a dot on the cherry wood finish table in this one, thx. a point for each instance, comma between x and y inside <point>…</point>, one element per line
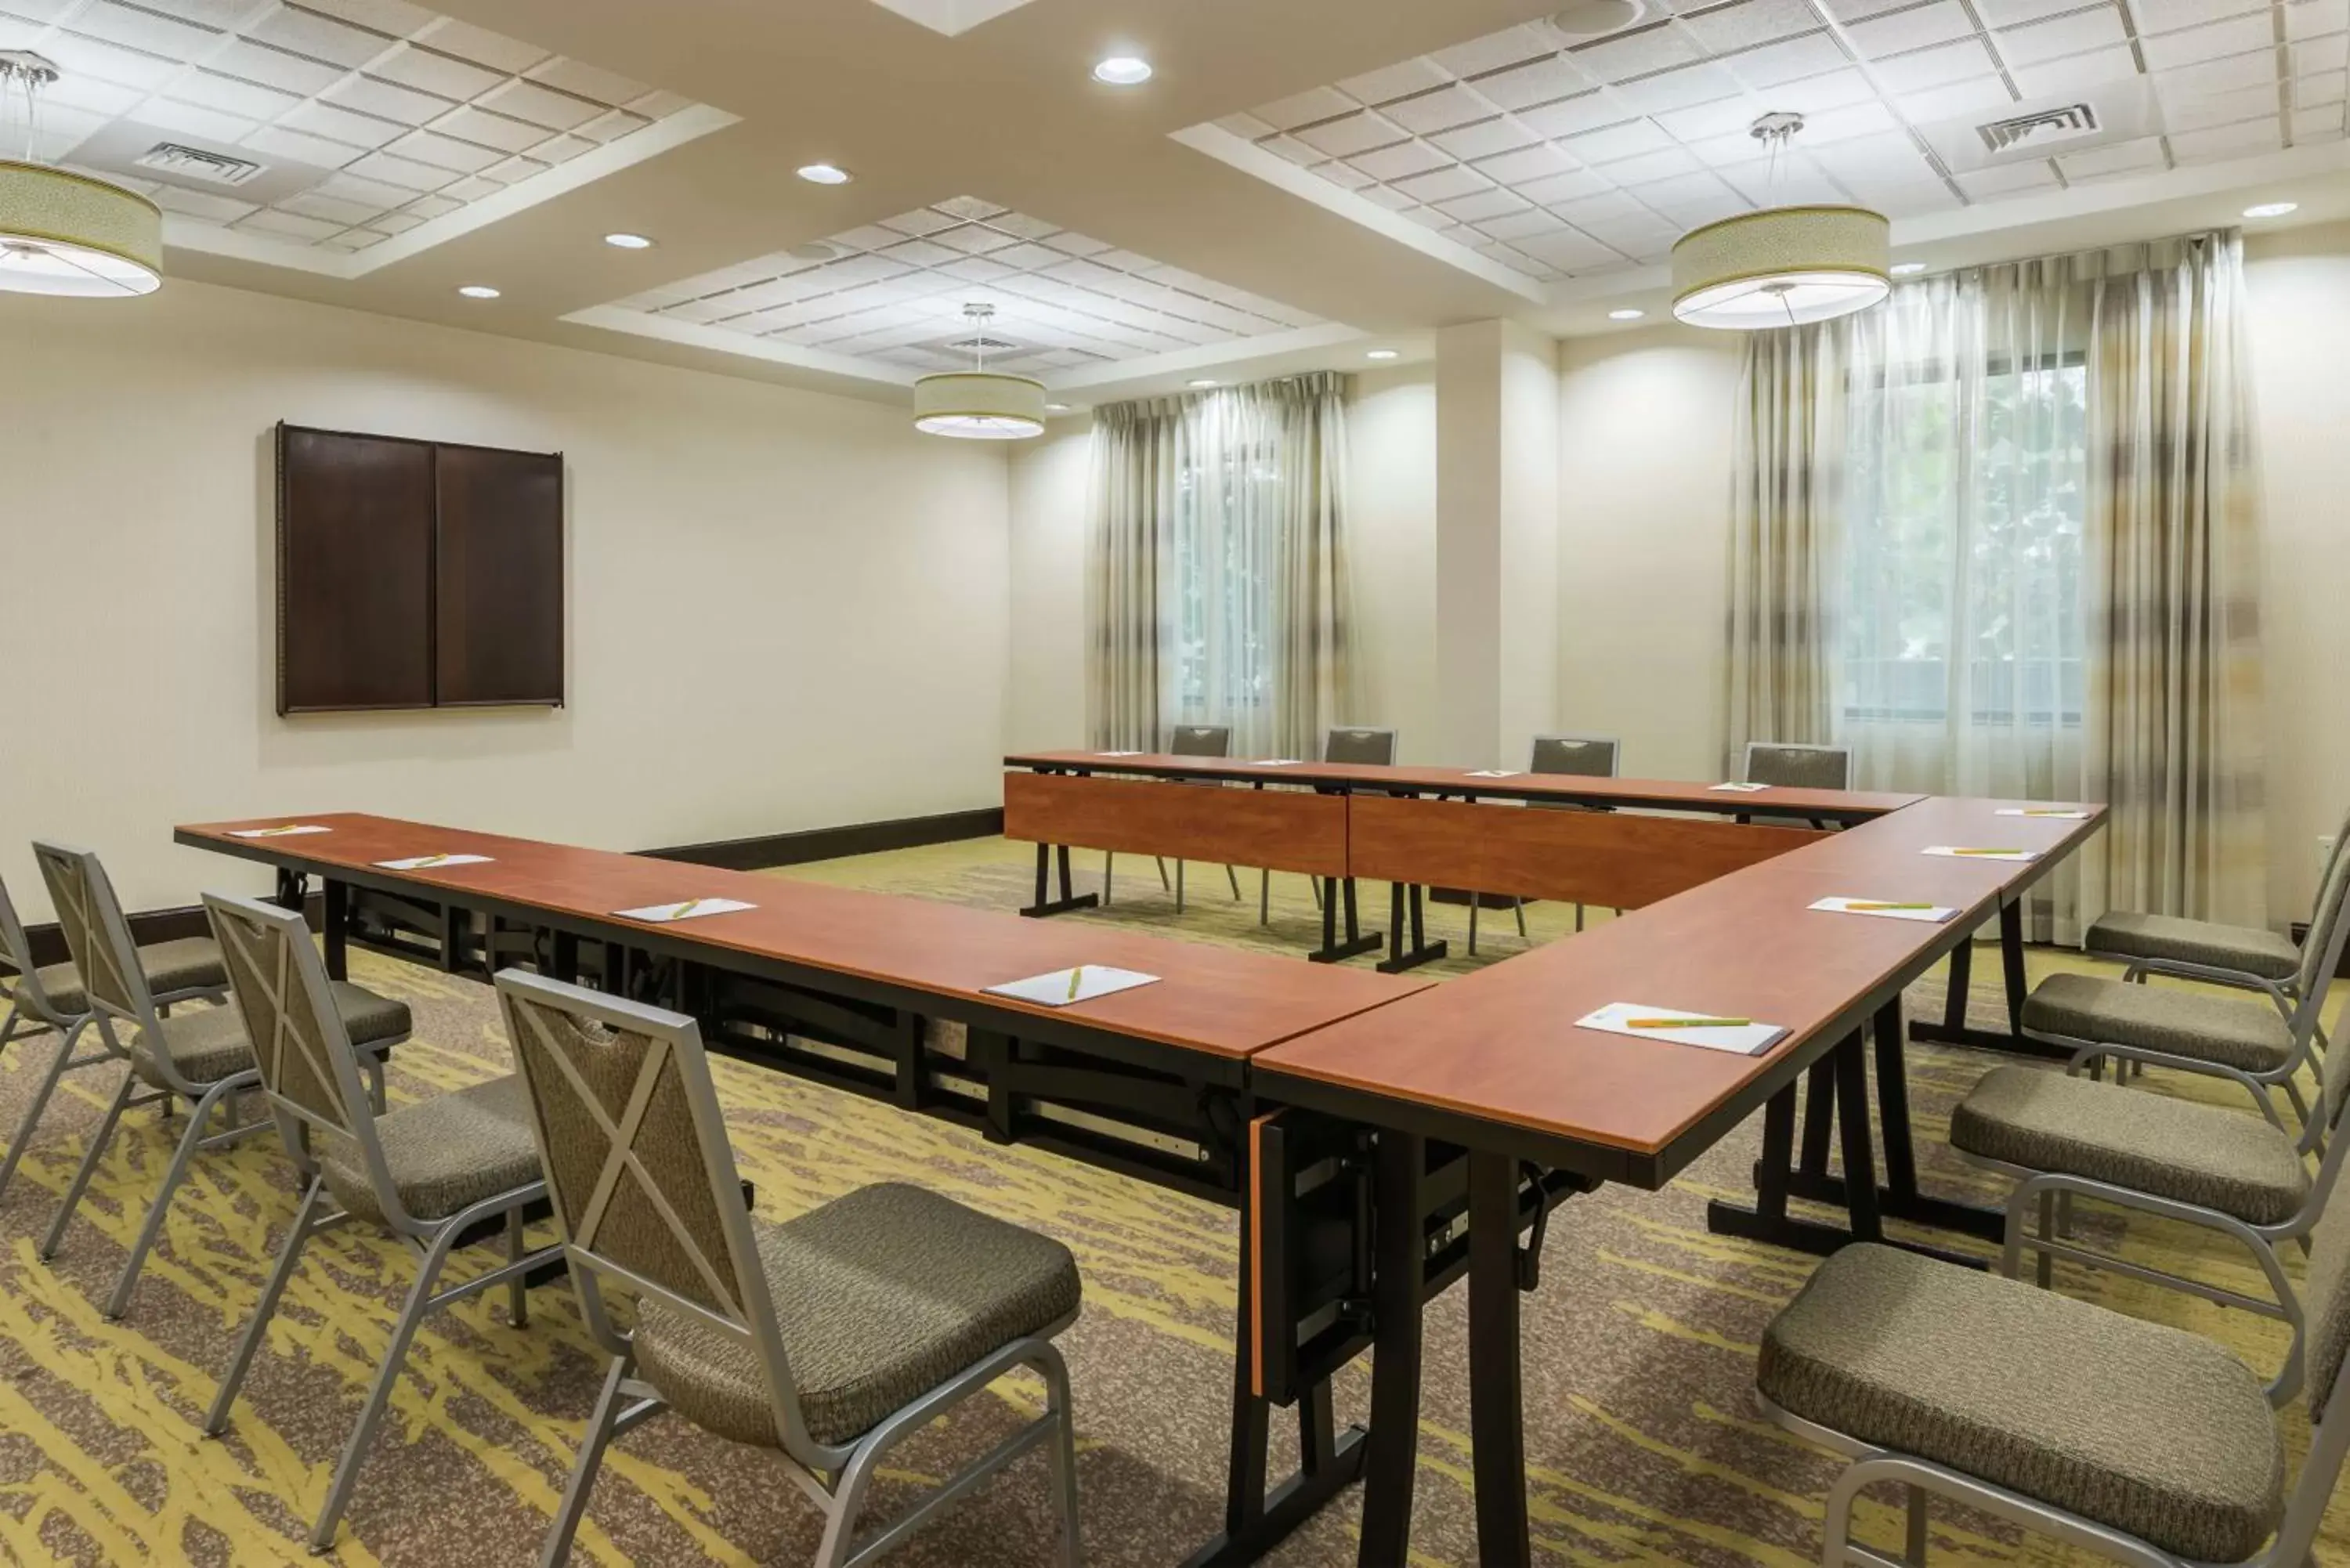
<point>848,988</point>
<point>1494,1064</point>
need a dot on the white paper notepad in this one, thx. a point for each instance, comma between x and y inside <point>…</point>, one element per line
<point>1742,1039</point>
<point>2063,813</point>
<point>278,832</point>
<point>1931,914</point>
<point>1065,986</point>
<point>1496,772</point>
<point>1274,762</point>
<point>1117,753</point>
<point>433,862</point>
<point>1738,788</point>
<point>692,910</point>
<point>1963,852</point>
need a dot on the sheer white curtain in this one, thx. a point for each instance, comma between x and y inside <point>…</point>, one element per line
<point>1219,577</point>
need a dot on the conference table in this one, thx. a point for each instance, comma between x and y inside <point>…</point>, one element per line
<point>1380,1138</point>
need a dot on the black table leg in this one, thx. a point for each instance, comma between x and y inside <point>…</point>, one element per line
<point>1954,1030</point>
<point>1422,950</point>
<point>1333,950</point>
<point>1819,1120</point>
<point>1398,1274</point>
<point>335,936</point>
<point>1496,1390</point>
<point>1045,903</point>
<point>1859,1162</point>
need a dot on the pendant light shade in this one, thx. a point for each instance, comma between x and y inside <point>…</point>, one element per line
<point>68,233</point>
<point>978,404</point>
<point>1781,266</point>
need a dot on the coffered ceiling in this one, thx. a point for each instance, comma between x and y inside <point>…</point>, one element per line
<point>1301,180</point>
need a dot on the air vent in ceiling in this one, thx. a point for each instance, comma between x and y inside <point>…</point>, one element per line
<point>2070,124</point>
<point>185,163</point>
<point>981,345</point>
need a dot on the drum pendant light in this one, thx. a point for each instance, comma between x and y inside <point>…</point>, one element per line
<point>62,232</point>
<point>978,404</point>
<point>1784,265</point>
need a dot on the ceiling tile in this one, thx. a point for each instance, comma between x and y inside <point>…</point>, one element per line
<point>1491,202</point>
<point>489,130</point>
<point>444,75</point>
<point>1350,134</point>
<point>394,170</point>
<point>1728,28</point>
<point>2243,140</point>
<point>1665,164</point>
<point>1442,185</point>
<point>273,68</point>
<point>541,106</point>
<point>394,16</point>
<point>1853,10</point>
<point>1936,67</point>
<point>1817,95</point>
<point>1569,251</point>
<point>1537,81</point>
<point>1485,140</point>
<point>1618,141</point>
<point>1678,89</point>
<point>202,204</point>
<point>1496,50</point>
<point>386,100</point>
<point>2211,78</point>
<point>442,152</point>
<point>78,55</point>
<point>587,81</point>
<point>1794,60</point>
<point>2133,157</point>
<point>2310,91</point>
<point>292,225</point>
<point>320,38</point>
<point>1552,189</point>
<point>2077,74</point>
<point>231,96</point>
<point>1535,162</point>
<point>1306,107</point>
<point>1439,110</point>
<point>184,118</point>
<point>1400,161</point>
<point>481,46</point>
<point>2034,43</point>
<point>2203,111</point>
<point>2008,179</point>
<point>1395,81</point>
<point>1527,222</point>
<point>2311,18</point>
<point>1568,116</point>
<point>138,29</point>
<point>2325,54</point>
<point>1967,99</point>
<point>1844,124</point>
<point>220,14</point>
<point>2323,123</point>
<point>1705,122</point>
<point>1635,53</point>
<point>1919,28</point>
<point>2216,41</point>
<point>275,141</point>
<point>1386,196</point>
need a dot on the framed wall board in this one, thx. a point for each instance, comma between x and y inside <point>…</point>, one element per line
<point>416,573</point>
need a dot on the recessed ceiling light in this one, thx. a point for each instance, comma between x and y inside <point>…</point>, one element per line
<point>1057,407</point>
<point>478,291</point>
<point>1907,269</point>
<point>1123,70</point>
<point>824,173</point>
<point>629,241</point>
<point>1203,383</point>
<point>2271,209</point>
<point>1382,354</point>
<point>1627,313</point>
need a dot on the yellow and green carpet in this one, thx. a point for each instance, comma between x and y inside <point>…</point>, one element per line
<point>1643,1445</point>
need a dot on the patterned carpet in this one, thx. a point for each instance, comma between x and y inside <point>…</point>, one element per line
<point>1642,1442</point>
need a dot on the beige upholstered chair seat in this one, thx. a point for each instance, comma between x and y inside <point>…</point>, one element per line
<point>2250,950</point>
<point>208,1043</point>
<point>2231,1031</point>
<point>2212,1155</point>
<point>880,1296</point>
<point>189,963</point>
<point>2147,1428</point>
<point>444,1154</point>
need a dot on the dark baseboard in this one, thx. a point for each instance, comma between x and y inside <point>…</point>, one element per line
<point>833,843</point>
<point>2341,969</point>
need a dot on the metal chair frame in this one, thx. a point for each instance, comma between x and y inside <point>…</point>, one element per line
<point>252,934</point>
<point>835,1476</point>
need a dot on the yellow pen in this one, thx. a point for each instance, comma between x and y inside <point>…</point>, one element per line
<point>429,861</point>
<point>1076,975</point>
<point>1986,851</point>
<point>1872,908</point>
<point>684,910</point>
<point>1687,1023</point>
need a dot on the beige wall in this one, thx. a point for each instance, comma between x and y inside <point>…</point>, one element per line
<point>787,609</point>
<point>1048,635</point>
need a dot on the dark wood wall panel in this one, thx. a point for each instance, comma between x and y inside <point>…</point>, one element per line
<point>354,572</point>
<point>499,575</point>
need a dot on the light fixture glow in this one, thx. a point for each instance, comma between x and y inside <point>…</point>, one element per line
<point>1123,70</point>
<point>1627,313</point>
<point>2271,209</point>
<point>822,173</point>
<point>629,241</point>
<point>478,291</point>
<point>1382,354</point>
<point>1783,266</point>
<point>978,404</point>
<point>1907,269</point>
<point>68,233</point>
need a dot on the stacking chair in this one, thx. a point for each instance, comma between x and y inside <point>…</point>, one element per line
<point>2140,1442</point>
<point>828,1338</point>
<point>1186,741</point>
<point>1580,756</point>
<point>187,969</point>
<point>1367,745</point>
<point>2251,958</point>
<point>1792,767</point>
<point>2063,1137</point>
<point>200,1056</point>
<point>2219,1036</point>
<point>447,1172</point>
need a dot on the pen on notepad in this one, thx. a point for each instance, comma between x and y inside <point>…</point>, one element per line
<point>684,910</point>
<point>2053,811</point>
<point>1687,1023</point>
<point>1076,975</point>
<point>1986,851</point>
<point>1873,908</point>
<point>423,861</point>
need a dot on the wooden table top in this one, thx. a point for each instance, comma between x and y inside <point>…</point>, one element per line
<point>1222,1000</point>
<point>1501,1047</point>
<point>1669,794</point>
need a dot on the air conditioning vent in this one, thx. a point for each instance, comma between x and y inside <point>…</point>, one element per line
<point>2072,122</point>
<point>981,345</point>
<point>171,158</point>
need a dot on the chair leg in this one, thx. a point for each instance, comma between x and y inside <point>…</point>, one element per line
<point>1265,897</point>
<point>517,1288</point>
<point>395,1354</point>
<point>1162,873</point>
<point>592,1444</point>
<point>1178,887</point>
<point>255,1331</point>
<point>1578,920</point>
<point>40,1101</point>
<point>1234,879</point>
<point>1109,864</point>
<point>88,1167</point>
<point>1915,1553</point>
<point>1318,891</point>
<point>1473,925</point>
<point>848,1502</point>
<point>1065,1460</point>
<point>1519,909</point>
<point>199,1118</point>
<point>2045,1265</point>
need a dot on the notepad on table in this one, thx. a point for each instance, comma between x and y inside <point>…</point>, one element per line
<point>1062,987</point>
<point>1739,1036</point>
<point>2063,813</point>
<point>1496,772</point>
<point>433,862</point>
<point>1891,910</point>
<point>1738,788</point>
<point>1962,852</point>
<point>1117,753</point>
<point>692,908</point>
<point>1274,762</point>
<point>285,832</point>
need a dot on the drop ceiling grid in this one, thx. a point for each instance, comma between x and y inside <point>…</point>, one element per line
<point>413,114</point>
<point>894,292</point>
<point>1563,159</point>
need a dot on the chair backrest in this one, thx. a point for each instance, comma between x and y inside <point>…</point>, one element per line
<point>1584,756</point>
<point>16,953</point>
<point>1359,743</point>
<point>278,984</point>
<point>641,1171</point>
<point>2320,955</point>
<point>2325,1349</point>
<point>1200,741</point>
<point>99,938</point>
<point>1792,767</point>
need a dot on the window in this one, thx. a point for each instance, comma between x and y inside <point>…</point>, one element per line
<point>1226,559</point>
<point>1962,559</point>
